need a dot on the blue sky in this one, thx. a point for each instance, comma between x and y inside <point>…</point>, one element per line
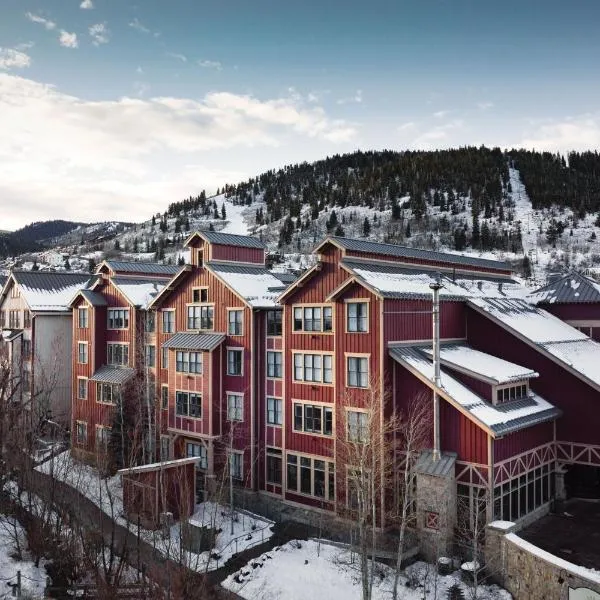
<point>113,109</point>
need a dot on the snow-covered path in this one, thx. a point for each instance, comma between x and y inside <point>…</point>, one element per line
<point>234,213</point>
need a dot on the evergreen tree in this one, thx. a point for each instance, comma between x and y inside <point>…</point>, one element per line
<point>117,245</point>
<point>35,266</point>
<point>366,227</point>
<point>526,267</point>
<point>339,231</point>
<point>223,212</point>
<point>91,265</point>
<point>67,264</point>
<point>211,227</point>
<point>407,232</point>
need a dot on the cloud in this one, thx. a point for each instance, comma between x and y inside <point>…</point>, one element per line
<point>572,133</point>
<point>100,34</point>
<point>485,105</point>
<point>87,5</point>
<point>356,99</point>
<point>68,40</point>
<point>41,20</point>
<point>440,114</point>
<point>419,137</point>
<point>11,58</point>
<point>135,24</point>
<point>210,64</point>
<point>86,159</point>
<point>176,56</point>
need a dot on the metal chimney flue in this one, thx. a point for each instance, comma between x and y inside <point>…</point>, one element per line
<point>436,286</point>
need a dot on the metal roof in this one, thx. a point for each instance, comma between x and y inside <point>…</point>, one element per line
<point>447,258</point>
<point>8,335</point>
<point>573,288</point>
<point>195,341</point>
<point>50,280</point>
<point>443,467</point>
<point>285,278</point>
<point>150,268</point>
<point>231,239</point>
<point>94,298</point>
<point>3,279</point>
<point>107,374</point>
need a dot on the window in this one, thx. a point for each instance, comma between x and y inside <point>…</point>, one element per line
<point>513,392</point>
<point>168,321</point>
<point>164,397</point>
<point>188,362</point>
<point>311,418</point>
<point>317,368</point>
<point>150,355</point>
<point>13,319</point>
<point>200,317</point>
<point>82,317</point>
<point>234,362</point>
<point>236,322</point>
<point>357,426</point>
<point>235,407</point>
<point>432,520</point>
<point>118,318</point>
<point>236,460</point>
<point>82,353</point>
<point>82,385</point>
<point>2,319</point>
<point>150,322</point>
<point>117,354</point>
<point>274,411</point>
<point>274,369</point>
<point>164,358</point>
<point>199,295</point>
<point>198,450</point>
<point>313,318</point>
<point>311,476</point>
<point>102,438</point>
<point>274,320</point>
<point>200,257</point>
<point>26,319</point>
<point>358,372</point>
<point>165,447</point>
<point>26,349</point>
<point>274,466</point>
<point>81,432</point>
<point>188,404</point>
<point>107,393</point>
<point>357,316</point>
<point>26,381</point>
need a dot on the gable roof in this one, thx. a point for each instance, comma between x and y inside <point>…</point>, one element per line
<point>395,251</point>
<point>565,345</point>
<point>256,285</point>
<point>140,292</point>
<point>94,298</point>
<point>497,420</point>
<point>226,239</point>
<point>139,267</point>
<point>46,291</point>
<point>573,288</point>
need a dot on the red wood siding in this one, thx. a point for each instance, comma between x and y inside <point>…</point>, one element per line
<point>481,388</point>
<point>522,441</point>
<point>574,312</point>
<point>555,384</point>
<point>461,435</point>
<point>237,254</point>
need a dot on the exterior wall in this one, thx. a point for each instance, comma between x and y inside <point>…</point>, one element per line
<point>237,254</point>
<point>583,316</point>
<point>461,435</point>
<point>555,383</point>
<point>481,388</point>
<point>522,441</point>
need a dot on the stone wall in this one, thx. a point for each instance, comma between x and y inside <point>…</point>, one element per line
<point>530,573</point>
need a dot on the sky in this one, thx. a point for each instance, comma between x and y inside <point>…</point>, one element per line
<point>111,109</point>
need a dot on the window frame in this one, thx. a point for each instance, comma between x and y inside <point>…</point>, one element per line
<point>188,394</point>
<point>506,390</point>
<point>239,454</point>
<point>324,408</point>
<point>277,455</point>
<point>101,396</point>
<point>202,291</point>
<point>83,323</point>
<point>303,308</point>
<point>277,323</point>
<point>106,442</point>
<point>357,302</point>
<point>329,495</point>
<point>359,357</point>
<point>210,316</point>
<point>164,358</point>
<point>79,382</point>
<point>125,317</point>
<point>168,325</point>
<point>198,364</point>
<point>304,366</point>
<point>238,411</point>
<point>237,324</point>
<point>276,411</point>
<point>164,456</point>
<point>272,369</point>
<point>241,352</point>
<point>83,344</point>
<point>164,405</point>
<point>150,356</point>
<point>78,440</point>
<point>202,464</point>
<point>361,427</point>
<point>124,348</point>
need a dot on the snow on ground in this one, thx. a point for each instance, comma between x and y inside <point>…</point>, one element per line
<point>301,569</point>
<point>107,493</point>
<point>236,222</point>
<point>33,579</point>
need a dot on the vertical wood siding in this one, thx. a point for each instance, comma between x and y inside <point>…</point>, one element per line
<point>237,254</point>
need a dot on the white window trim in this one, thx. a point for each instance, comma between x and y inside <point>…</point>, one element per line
<point>321,354</point>
<point>238,349</point>
<point>238,395</point>
<point>162,320</point>
<point>77,441</point>
<point>268,335</point>
<point>87,352</point>
<point>200,288</point>
<point>86,388</point>
<point>118,344</point>
<point>113,386</point>
<point>111,308</point>
<point>239,453</point>
<point>188,416</point>
<point>349,301</point>
<point>240,310</point>
<point>348,355</point>
<point>87,317</point>
<point>96,437</point>
<point>280,400</point>
<point>504,386</point>
<point>199,305</point>
<point>274,377</point>
<point>203,456</point>
<point>347,432</point>
<point>164,386</point>
<point>320,305</point>
<point>327,460</point>
<point>323,406</point>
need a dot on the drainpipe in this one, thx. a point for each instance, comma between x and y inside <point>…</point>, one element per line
<point>435,288</point>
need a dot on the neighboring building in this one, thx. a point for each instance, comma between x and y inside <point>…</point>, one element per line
<point>254,369</point>
<point>35,320</point>
<point>573,298</point>
<point>114,349</point>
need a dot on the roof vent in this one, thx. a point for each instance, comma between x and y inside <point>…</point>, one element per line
<point>480,285</point>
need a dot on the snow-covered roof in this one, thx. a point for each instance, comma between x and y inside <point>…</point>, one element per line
<point>484,366</point>
<point>563,343</point>
<point>498,419</point>
<point>50,292</point>
<point>157,466</point>
<point>228,239</point>
<point>140,292</point>
<point>573,288</point>
<point>257,285</point>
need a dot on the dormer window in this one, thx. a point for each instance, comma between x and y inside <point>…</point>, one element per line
<point>199,295</point>
<point>511,392</point>
<point>200,257</point>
